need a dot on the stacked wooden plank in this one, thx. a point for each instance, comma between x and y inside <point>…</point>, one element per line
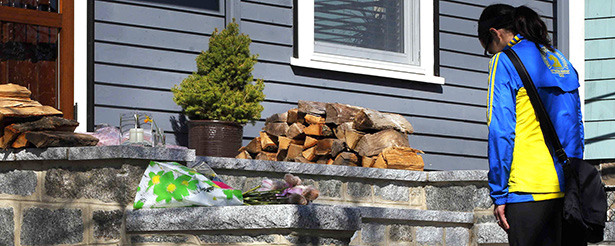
<point>338,134</point>
<point>27,123</point>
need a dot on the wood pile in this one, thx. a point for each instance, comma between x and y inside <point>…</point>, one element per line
<point>336,134</point>
<point>26,123</point>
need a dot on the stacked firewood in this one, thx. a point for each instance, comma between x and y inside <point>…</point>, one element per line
<point>338,134</point>
<point>26,123</point>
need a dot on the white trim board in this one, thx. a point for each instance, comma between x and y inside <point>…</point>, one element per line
<point>80,84</point>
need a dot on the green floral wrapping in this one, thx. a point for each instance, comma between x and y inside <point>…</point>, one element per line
<point>170,184</point>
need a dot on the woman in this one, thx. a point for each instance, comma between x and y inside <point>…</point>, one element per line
<point>525,179</point>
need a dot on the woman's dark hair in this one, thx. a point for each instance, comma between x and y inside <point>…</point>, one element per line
<point>520,20</point>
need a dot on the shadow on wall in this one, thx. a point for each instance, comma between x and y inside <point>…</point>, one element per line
<point>180,129</point>
<point>212,5</point>
<point>366,79</point>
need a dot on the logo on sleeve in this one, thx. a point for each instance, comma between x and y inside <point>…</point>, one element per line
<point>555,62</point>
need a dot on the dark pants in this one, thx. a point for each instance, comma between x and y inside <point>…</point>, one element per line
<point>539,223</point>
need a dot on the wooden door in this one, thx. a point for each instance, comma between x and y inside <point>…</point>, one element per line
<point>36,49</point>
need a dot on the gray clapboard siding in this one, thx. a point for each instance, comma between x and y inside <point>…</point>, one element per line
<point>142,49</point>
<point>473,79</point>
<point>599,70</point>
<point>599,8</point>
<point>600,49</point>
<point>602,149</point>
<point>118,12</point>
<point>599,130</point>
<point>147,78</point>
<point>256,11</point>
<point>599,28</point>
<point>600,110</point>
<point>600,90</point>
<point>459,43</point>
<point>275,34</point>
<point>142,36</point>
<point>144,57</point>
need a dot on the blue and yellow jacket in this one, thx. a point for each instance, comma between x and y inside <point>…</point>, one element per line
<point>521,167</point>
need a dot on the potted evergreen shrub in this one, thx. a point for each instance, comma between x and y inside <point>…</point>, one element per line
<point>221,95</point>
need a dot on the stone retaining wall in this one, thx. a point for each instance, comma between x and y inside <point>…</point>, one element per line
<point>72,195</point>
<point>83,196</point>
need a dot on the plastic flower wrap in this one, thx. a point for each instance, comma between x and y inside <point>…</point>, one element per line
<point>170,184</point>
<point>287,191</point>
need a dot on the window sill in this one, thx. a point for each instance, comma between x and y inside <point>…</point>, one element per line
<point>394,72</point>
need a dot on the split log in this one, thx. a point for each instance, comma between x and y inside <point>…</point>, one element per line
<point>330,162</point>
<point>20,142</point>
<point>310,107</point>
<point>14,91</point>
<point>346,159</point>
<point>309,142</point>
<point>380,162</point>
<point>302,159</point>
<point>367,161</point>
<point>372,144</point>
<point>266,143</point>
<point>283,142</point>
<point>243,155</point>
<point>352,137</point>
<point>18,102</point>
<point>329,146</point>
<point>27,112</point>
<point>254,146</point>
<point>60,139</point>
<point>276,128</point>
<point>45,124</point>
<point>323,159</point>
<point>294,116</point>
<point>295,131</point>
<point>318,130</point>
<point>340,130</point>
<point>281,117</point>
<point>312,119</point>
<point>403,158</point>
<point>338,113</point>
<point>309,154</point>
<point>294,151</point>
<point>267,156</point>
<point>281,155</point>
<point>337,147</point>
<point>369,119</point>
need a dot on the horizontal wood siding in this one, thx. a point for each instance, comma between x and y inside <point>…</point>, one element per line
<point>600,79</point>
<point>142,50</point>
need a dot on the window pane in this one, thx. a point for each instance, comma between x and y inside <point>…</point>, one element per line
<point>42,5</point>
<point>28,57</point>
<point>374,24</point>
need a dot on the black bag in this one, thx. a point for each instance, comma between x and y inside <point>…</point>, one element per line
<point>585,202</point>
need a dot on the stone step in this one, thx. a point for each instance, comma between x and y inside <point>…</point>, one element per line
<point>321,223</point>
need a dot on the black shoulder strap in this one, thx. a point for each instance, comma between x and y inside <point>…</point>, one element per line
<point>545,121</point>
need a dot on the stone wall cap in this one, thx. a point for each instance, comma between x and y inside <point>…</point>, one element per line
<point>311,169</point>
<point>131,152</point>
<point>97,153</point>
<point>315,216</point>
<point>457,176</point>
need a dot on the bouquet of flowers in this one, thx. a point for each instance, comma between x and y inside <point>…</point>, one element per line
<point>288,191</point>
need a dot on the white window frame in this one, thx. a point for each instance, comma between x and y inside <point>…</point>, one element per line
<point>422,70</point>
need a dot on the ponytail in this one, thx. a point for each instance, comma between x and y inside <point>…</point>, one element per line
<point>520,20</point>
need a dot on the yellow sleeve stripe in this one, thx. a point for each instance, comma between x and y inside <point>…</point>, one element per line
<point>494,66</point>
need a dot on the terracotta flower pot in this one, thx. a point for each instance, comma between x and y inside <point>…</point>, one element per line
<point>215,138</point>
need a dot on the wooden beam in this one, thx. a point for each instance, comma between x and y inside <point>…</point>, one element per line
<point>67,58</point>
<point>32,17</point>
